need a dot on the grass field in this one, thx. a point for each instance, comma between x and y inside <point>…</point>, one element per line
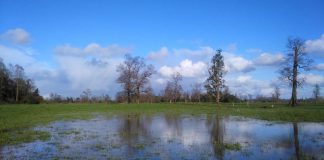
<point>16,121</point>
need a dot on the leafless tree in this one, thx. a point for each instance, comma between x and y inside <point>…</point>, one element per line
<point>86,95</point>
<point>173,89</point>
<point>316,92</point>
<point>296,61</point>
<point>215,81</point>
<point>134,74</point>
<point>276,94</point>
<point>142,76</point>
<point>149,94</point>
<point>196,92</point>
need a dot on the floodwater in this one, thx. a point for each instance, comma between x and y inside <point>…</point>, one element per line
<point>173,137</point>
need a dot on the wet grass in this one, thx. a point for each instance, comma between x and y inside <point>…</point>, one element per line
<point>16,121</point>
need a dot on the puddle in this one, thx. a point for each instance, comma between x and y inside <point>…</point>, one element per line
<point>170,137</point>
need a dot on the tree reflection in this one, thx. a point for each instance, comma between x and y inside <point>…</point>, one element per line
<point>296,141</point>
<point>217,131</point>
<point>134,130</point>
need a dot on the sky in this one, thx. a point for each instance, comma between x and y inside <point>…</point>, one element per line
<point>67,47</point>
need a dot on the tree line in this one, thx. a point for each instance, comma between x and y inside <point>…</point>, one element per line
<point>133,69</point>
<point>15,86</point>
<point>134,77</point>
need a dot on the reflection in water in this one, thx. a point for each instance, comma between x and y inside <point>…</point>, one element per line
<point>217,135</point>
<point>296,140</point>
<point>173,137</point>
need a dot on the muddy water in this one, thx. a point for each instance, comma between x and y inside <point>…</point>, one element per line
<point>174,137</point>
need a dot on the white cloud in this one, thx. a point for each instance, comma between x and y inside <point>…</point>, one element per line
<point>92,49</point>
<point>92,67</point>
<point>315,46</point>
<point>243,85</point>
<point>269,59</point>
<point>235,63</point>
<point>203,51</point>
<point>17,36</point>
<point>319,67</point>
<point>46,78</point>
<point>162,53</point>
<point>244,79</point>
<point>187,69</point>
<point>313,79</point>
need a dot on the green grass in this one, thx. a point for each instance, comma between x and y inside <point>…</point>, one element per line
<point>16,121</point>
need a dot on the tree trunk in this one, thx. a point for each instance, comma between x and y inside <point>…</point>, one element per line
<point>217,94</point>
<point>293,100</point>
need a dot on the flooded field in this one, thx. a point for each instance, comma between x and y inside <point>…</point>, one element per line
<point>173,137</point>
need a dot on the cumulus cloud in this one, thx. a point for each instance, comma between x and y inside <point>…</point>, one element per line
<point>162,53</point>
<point>269,59</point>
<point>92,67</point>
<point>17,36</point>
<point>315,46</point>
<point>244,85</point>
<point>235,63</point>
<point>313,79</point>
<point>187,69</point>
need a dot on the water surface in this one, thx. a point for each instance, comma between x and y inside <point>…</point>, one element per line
<point>173,137</point>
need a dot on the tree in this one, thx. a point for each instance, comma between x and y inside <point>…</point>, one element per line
<point>18,74</point>
<point>142,76</point>
<point>215,81</point>
<point>173,89</point>
<point>196,92</point>
<point>276,94</point>
<point>86,95</point>
<point>296,61</point>
<point>133,76</point>
<point>316,92</point>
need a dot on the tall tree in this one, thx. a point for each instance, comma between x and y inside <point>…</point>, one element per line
<point>296,61</point>
<point>215,81</point>
<point>316,92</point>
<point>134,74</point>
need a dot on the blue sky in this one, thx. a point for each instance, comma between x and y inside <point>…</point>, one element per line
<point>103,31</point>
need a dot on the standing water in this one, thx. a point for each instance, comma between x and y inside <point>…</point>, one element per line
<point>173,137</point>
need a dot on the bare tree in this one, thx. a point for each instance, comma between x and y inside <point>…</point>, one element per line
<point>316,92</point>
<point>196,92</point>
<point>86,95</point>
<point>149,94</point>
<point>296,60</point>
<point>142,76</point>
<point>134,75</point>
<point>215,81</point>
<point>173,89</point>
<point>276,94</point>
